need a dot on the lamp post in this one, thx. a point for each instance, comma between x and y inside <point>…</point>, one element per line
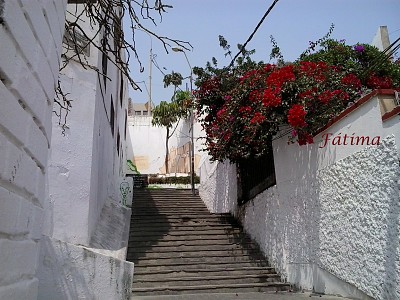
<point>191,152</point>
<point>150,66</point>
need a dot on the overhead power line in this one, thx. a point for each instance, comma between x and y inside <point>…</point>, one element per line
<point>254,31</point>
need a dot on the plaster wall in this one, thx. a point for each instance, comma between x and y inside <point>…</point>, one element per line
<point>147,146</point>
<point>30,34</point>
<point>218,186</point>
<point>331,222</point>
<point>69,272</point>
<point>88,156</point>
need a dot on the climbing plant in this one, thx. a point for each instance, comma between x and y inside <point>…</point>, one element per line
<point>242,107</point>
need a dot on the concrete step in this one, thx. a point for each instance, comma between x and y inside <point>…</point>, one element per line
<point>160,197</point>
<point>196,253</point>
<point>202,272</point>
<point>166,261</point>
<point>184,267</point>
<point>180,231</point>
<point>168,211</point>
<point>209,280</point>
<point>176,247</point>
<point>223,288</point>
<point>171,203</point>
<point>164,236</point>
<point>161,245</point>
<point>185,216</point>
<point>180,226</point>
<point>178,220</point>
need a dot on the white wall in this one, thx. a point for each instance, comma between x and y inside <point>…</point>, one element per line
<point>147,142</point>
<point>331,222</point>
<point>85,165</point>
<point>218,186</point>
<point>73,272</point>
<point>30,38</point>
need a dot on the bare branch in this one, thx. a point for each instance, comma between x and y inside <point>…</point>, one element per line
<point>106,35</point>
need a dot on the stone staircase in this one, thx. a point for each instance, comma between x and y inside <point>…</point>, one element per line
<point>178,247</point>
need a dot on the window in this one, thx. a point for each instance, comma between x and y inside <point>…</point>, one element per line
<point>138,113</point>
<point>1,11</point>
<point>145,113</point>
<point>126,122</point>
<point>118,141</point>
<point>112,115</point>
<point>104,60</point>
<point>121,88</point>
<point>77,42</point>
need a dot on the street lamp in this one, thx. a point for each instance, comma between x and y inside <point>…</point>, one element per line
<point>150,66</point>
<point>191,152</point>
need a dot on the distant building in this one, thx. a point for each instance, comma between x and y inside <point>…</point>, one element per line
<point>142,109</point>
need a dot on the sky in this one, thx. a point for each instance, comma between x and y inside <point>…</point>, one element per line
<point>293,23</point>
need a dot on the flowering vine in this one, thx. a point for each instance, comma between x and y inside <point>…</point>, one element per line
<point>243,107</point>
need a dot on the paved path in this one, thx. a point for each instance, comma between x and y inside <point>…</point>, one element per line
<point>242,296</point>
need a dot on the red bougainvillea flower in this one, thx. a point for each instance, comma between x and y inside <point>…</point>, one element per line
<point>351,81</point>
<point>227,135</point>
<point>296,116</point>
<point>245,110</point>
<point>280,76</point>
<point>376,82</point>
<point>255,96</point>
<point>227,98</point>
<point>325,97</point>
<point>221,113</point>
<point>305,138</point>
<point>257,119</point>
<point>313,70</point>
<point>272,97</point>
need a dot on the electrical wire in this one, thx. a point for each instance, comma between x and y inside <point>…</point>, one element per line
<point>254,32</point>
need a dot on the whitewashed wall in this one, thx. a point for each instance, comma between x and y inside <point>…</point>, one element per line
<point>74,272</point>
<point>30,45</point>
<point>331,223</point>
<point>148,142</point>
<point>218,186</point>
<point>85,165</point>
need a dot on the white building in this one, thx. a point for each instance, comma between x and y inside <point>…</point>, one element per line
<point>86,166</point>
<point>147,149</point>
<point>83,173</point>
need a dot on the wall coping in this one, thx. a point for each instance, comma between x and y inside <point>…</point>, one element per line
<point>366,98</point>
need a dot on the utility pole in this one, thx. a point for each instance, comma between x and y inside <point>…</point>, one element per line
<point>150,70</point>
<point>191,122</point>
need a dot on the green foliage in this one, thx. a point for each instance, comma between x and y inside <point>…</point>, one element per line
<point>241,108</point>
<point>174,79</point>
<point>167,113</point>
<point>173,180</point>
<point>132,167</point>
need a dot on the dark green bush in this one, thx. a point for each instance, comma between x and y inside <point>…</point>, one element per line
<point>173,180</point>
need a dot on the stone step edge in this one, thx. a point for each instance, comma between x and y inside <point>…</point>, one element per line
<point>238,249</point>
<point>145,249</point>
<point>214,277</point>
<point>210,287</point>
<point>203,270</point>
<point>133,239</point>
<point>219,263</point>
<point>178,230</point>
